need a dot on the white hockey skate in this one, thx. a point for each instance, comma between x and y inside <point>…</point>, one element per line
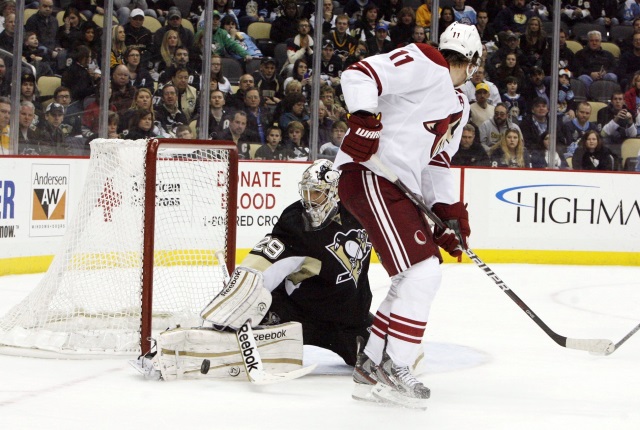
<point>397,385</point>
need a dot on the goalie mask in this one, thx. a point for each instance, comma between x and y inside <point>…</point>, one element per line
<point>319,191</point>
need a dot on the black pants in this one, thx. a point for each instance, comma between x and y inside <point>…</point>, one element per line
<point>337,337</point>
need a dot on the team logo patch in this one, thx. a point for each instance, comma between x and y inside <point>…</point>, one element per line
<point>350,249</point>
<point>420,237</point>
<point>443,131</point>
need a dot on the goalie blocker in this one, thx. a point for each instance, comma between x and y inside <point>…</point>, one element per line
<point>181,351</point>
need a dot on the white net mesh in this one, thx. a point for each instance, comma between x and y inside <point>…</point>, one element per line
<point>89,301</point>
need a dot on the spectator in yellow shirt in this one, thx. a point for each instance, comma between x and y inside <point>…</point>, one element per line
<point>423,15</point>
<point>5,110</point>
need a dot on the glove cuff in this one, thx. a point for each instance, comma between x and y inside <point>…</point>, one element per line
<point>363,114</point>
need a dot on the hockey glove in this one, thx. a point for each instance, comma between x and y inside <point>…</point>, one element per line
<point>456,218</point>
<point>363,136</point>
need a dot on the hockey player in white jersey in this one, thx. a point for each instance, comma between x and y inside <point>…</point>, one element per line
<point>404,108</point>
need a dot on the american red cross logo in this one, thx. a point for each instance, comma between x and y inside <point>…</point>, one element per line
<point>443,130</point>
<point>109,199</point>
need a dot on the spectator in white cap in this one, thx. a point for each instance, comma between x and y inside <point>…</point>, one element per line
<point>138,36</point>
<point>137,13</point>
<point>566,104</point>
<point>124,8</point>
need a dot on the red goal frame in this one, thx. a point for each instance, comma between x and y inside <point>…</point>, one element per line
<point>153,147</point>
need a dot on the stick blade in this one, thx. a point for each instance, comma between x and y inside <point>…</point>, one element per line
<point>260,377</point>
<point>593,346</point>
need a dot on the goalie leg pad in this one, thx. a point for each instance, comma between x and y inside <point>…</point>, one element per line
<point>243,298</point>
<point>181,351</point>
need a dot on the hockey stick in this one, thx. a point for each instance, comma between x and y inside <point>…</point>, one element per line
<point>623,340</point>
<point>594,346</point>
<point>250,354</point>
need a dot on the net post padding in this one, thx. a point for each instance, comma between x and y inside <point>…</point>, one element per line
<point>90,301</point>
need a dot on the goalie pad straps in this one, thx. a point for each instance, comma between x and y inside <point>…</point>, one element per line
<point>181,351</point>
<point>243,298</point>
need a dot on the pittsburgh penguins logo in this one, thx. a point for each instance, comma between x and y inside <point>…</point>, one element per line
<point>350,249</point>
<point>443,130</point>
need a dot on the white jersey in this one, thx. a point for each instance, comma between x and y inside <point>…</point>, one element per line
<point>422,114</point>
<point>438,183</point>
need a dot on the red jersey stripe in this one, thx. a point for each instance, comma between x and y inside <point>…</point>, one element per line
<point>405,338</point>
<point>400,318</point>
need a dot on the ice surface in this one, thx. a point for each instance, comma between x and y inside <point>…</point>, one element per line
<point>488,367</point>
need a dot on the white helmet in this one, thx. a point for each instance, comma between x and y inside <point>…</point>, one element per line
<point>464,39</point>
<point>319,191</point>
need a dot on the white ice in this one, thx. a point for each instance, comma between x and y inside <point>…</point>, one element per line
<point>489,367</point>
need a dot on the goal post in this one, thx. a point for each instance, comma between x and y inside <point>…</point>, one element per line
<point>224,176</point>
<point>143,252</point>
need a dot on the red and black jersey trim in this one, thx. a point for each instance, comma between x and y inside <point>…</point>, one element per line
<point>364,67</point>
<point>441,160</point>
<point>433,54</point>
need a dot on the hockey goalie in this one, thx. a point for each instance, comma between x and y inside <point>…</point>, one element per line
<point>304,282</point>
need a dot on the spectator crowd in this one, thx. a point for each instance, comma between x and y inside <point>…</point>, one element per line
<point>260,87</point>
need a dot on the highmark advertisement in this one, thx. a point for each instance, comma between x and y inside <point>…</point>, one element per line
<point>554,210</point>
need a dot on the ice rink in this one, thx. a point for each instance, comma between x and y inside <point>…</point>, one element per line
<point>488,367</point>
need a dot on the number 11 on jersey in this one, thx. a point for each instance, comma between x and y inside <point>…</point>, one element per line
<point>404,58</point>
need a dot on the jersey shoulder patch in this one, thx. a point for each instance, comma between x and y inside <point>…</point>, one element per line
<point>432,53</point>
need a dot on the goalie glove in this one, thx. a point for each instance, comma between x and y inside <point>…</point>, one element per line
<point>363,136</point>
<point>454,238</point>
<point>243,298</point>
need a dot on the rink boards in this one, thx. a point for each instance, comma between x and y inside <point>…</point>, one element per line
<point>526,216</point>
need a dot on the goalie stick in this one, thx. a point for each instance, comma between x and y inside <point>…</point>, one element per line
<point>250,354</point>
<point>253,362</point>
<point>594,346</point>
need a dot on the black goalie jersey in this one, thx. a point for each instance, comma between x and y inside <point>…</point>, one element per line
<point>324,272</point>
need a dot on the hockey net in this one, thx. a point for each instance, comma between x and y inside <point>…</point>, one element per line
<point>142,252</point>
